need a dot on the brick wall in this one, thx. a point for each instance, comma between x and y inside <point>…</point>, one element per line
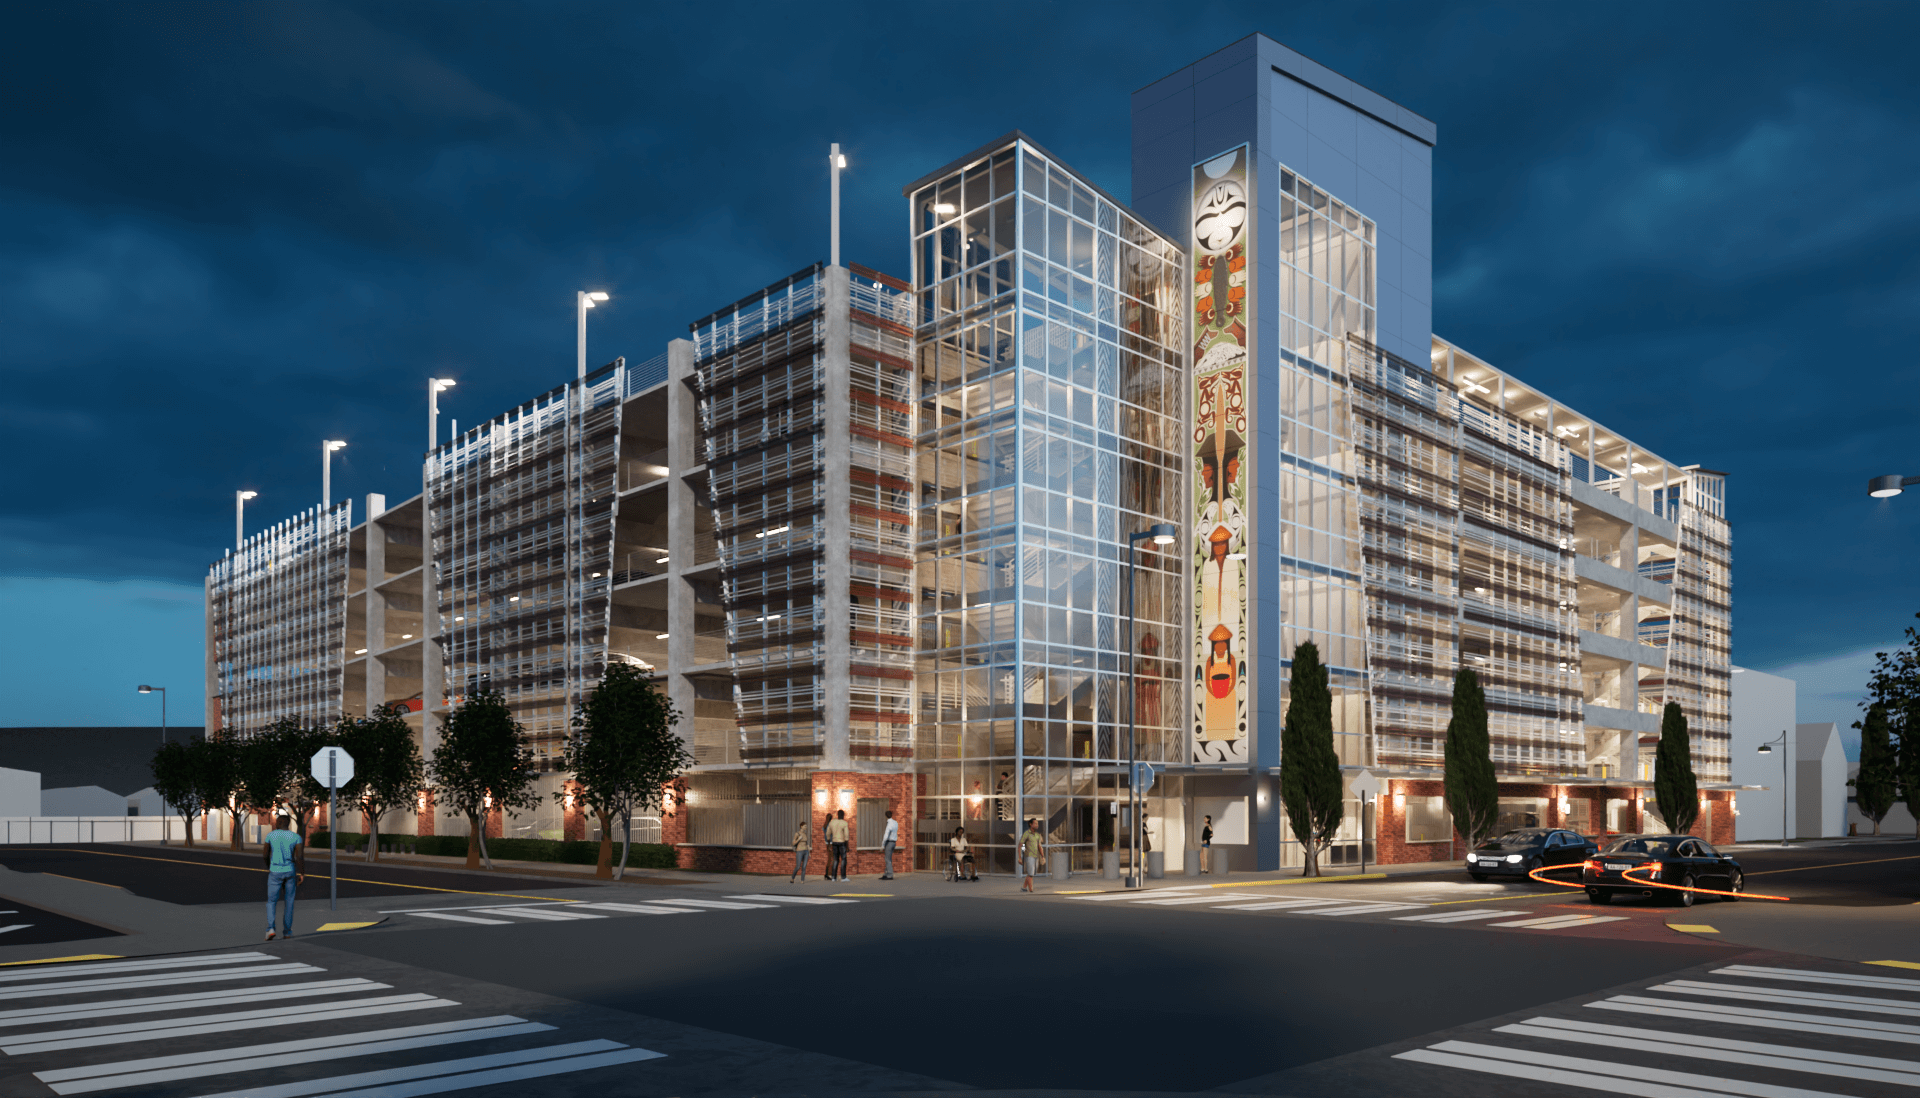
<point>896,789</point>
<point>1391,826</point>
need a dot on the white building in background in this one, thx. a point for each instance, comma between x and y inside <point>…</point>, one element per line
<point>1763,709</point>
<point>1820,782</point>
<point>19,792</point>
<point>81,800</point>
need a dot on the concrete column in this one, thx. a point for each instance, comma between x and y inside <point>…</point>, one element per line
<point>376,609</point>
<point>683,433</point>
<point>838,674</point>
<point>433,671</point>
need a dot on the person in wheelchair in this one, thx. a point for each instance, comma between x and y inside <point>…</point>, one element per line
<point>960,857</point>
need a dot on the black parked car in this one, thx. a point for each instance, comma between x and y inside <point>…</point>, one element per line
<point>1518,853</point>
<point>1675,860</point>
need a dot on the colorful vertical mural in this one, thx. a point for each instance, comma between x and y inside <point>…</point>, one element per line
<point>1222,218</point>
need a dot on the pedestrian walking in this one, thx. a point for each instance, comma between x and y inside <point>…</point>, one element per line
<point>802,847</point>
<point>286,860</point>
<point>837,838</point>
<point>887,843</point>
<point>1031,844</point>
<point>1206,845</point>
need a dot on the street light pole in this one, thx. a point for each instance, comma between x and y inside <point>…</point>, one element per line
<point>435,386</point>
<point>1889,486</point>
<point>836,161</point>
<point>327,447</point>
<point>163,708</point>
<point>1162,534</point>
<point>240,518</point>
<point>1767,748</point>
<point>584,300</point>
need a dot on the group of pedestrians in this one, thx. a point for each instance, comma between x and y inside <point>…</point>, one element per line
<point>835,834</point>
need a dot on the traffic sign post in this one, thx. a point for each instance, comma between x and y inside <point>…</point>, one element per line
<point>333,768</point>
<point>1365,784</point>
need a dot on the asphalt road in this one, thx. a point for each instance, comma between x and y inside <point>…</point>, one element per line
<point>1880,874</point>
<point>24,924</point>
<point>181,876</point>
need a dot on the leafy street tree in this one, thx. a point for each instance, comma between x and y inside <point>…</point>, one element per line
<point>222,777</point>
<point>276,770</point>
<point>1473,796</point>
<point>1873,787</point>
<point>1894,684</point>
<point>623,754</point>
<point>387,770</point>
<point>1907,763</point>
<point>1310,786</point>
<point>259,764</point>
<point>1674,788</point>
<point>481,764</point>
<point>179,776</point>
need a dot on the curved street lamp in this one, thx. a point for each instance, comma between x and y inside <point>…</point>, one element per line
<point>1889,486</point>
<point>1767,749</point>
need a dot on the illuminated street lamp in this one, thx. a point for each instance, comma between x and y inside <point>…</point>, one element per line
<point>1162,533</point>
<point>240,517</point>
<point>435,386</point>
<point>327,447</point>
<point>584,300</point>
<point>163,708</point>
<point>835,160</point>
<point>1767,749</point>
<point>1889,486</point>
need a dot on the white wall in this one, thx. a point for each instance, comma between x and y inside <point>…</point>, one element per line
<point>19,792</point>
<point>1820,796</point>
<point>1762,708</point>
<point>81,800</point>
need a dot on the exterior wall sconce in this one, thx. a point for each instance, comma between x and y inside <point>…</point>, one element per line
<point>820,797</point>
<point>1566,805</point>
<point>846,798</point>
<point>1399,800</point>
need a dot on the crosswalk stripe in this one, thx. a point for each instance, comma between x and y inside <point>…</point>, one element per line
<point>1276,905</point>
<point>1362,909</point>
<point>42,972</point>
<point>459,918</point>
<point>1709,1083</point>
<point>554,916</point>
<point>196,1065</point>
<point>719,905</point>
<point>1613,1084</point>
<point>1561,922</point>
<point>795,899</point>
<point>306,1087</point>
<point>1453,916</point>
<point>643,909</point>
<point>166,1029</point>
<point>1111,896</point>
<point>1810,976</point>
<point>159,1003</point>
<point>1857,1003</point>
<point>16,926</point>
<point>1695,1045</point>
<point>165,979</point>
<point>502,1075</point>
<point>1765,1019</point>
<point>1171,901</point>
<point>1649,1046</point>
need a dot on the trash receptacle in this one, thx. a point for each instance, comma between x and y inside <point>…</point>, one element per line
<point>1110,865</point>
<point>1057,864</point>
<point>1156,864</point>
<point>1192,866</point>
<point>1220,860</point>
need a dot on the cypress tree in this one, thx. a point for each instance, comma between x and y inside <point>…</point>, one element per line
<point>1673,785</point>
<point>1907,763</point>
<point>1473,795</point>
<point>1879,766</point>
<point>1310,786</point>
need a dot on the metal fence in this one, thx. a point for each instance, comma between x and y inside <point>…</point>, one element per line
<point>91,829</point>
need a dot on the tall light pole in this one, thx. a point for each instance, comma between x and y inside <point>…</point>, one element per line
<point>327,447</point>
<point>240,518</point>
<point>836,161</point>
<point>1767,749</point>
<point>163,708</point>
<point>435,386</point>
<point>1162,533</point>
<point>1889,486</point>
<point>584,300</point>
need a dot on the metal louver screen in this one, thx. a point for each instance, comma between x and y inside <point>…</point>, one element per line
<point>872,813</point>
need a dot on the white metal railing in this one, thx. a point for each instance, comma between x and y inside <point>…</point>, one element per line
<point>92,829</point>
<point>764,392</point>
<point>887,304</point>
<point>792,420</point>
<point>757,321</point>
<point>747,474</point>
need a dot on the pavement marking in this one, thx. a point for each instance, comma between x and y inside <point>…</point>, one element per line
<point>117,956</point>
<point>717,905</point>
<point>1616,1073</point>
<point>1453,916</point>
<point>253,869</point>
<point>542,914</point>
<point>468,907</point>
<point>791,899</point>
<point>1277,905</point>
<point>1894,964</point>
<point>1362,909</point>
<point>641,909</point>
<point>1858,1003</point>
<point>1765,1019</point>
<point>1692,1044</point>
<point>460,918</point>
<point>166,1029</point>
<point>347,926</point>
<point>1297,880</point>
<point>84,881</point>
<point>147,964</point>
<point>1105,896</point>
<point>113,1008</point>
<point>1814,976</point>
<point>1535,1074</point>
<point>1833,865</point>
<point>1692,928</point>
<point>115,1076</point>
<point>422,1071</point>
<point>1555,922</point>
<point>864,895</point>
<point>16,926</point>
<point>1077,892</point>
<point>164,979</point>
<point>1503,899</point>
<point>1169,901</point>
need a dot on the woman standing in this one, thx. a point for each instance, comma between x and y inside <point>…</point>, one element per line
<point>802,847</point>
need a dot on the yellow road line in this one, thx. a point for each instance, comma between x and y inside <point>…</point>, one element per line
<point>84,881</point>
<point>349,926</point>
<point>1691,928</point>
<point>1832,865</point>
<point>103,957</point>
<point>1895,964</point>
<point>251,869</point>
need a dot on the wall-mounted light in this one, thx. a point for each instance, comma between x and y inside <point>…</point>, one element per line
<point>820,796</point>
<point>846,798</point>
<point>1399,800</point>
<point>1566,805</point>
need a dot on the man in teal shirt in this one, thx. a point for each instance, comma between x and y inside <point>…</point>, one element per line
<point>286,862</point>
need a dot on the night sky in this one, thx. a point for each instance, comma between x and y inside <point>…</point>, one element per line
<point>228,231</point>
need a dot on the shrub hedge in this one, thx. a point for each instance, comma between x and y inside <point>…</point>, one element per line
<point>645,855</point>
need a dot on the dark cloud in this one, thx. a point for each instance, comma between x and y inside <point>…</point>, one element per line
<point>228,231</point>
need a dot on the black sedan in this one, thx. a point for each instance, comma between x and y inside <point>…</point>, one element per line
<point>1681,860</point>
<point>1518,853</point>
